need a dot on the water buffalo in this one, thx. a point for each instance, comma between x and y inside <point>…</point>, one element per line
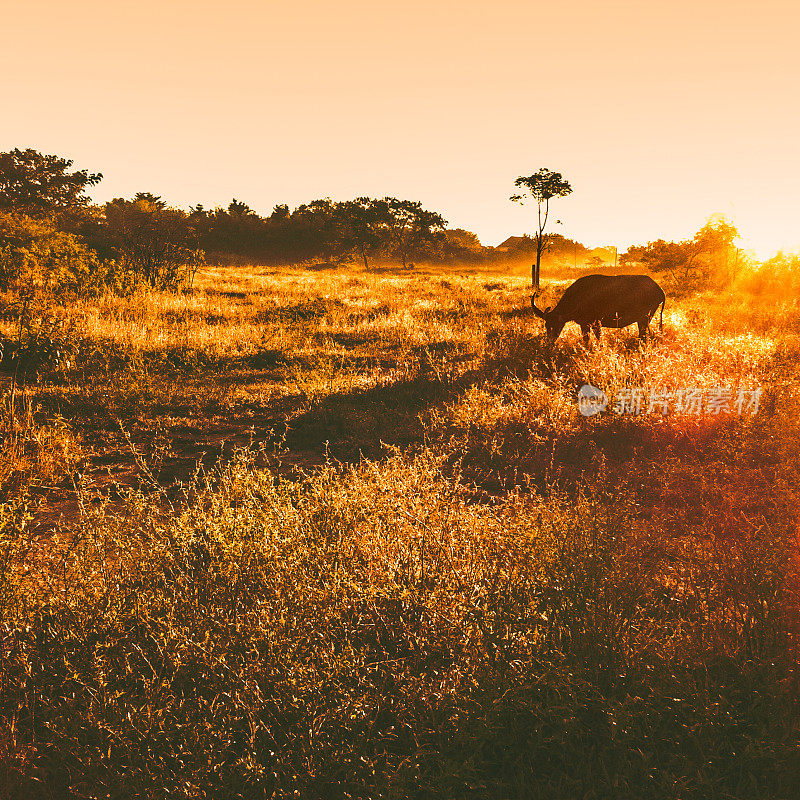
<point>607,301</point>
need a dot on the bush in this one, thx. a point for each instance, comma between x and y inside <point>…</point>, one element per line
<point>32,453</point>
<point>36,256</point>
<point>47,346</point>
<point>780,276</point>
<point>157,244</point>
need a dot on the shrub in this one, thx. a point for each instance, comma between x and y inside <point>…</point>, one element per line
<point>779,276</point>
<point>32,453</point>
<point>35,257</point>
<point>48,345</point>
<point>158,244</point>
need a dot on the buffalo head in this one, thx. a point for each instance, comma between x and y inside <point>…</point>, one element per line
<point>552,322</point>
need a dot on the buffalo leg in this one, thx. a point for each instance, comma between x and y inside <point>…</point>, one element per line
<point>644,325</point>
<point>585,332</point>
<point>597,330</point>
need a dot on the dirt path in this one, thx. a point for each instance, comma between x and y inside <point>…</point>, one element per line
<point>116,463</point>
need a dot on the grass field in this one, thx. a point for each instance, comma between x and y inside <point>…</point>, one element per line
<point>346,534</point>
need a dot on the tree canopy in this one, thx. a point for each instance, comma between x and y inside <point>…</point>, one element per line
<point>40,184</point>
<point>155,242</point>
<point>144,239</point>
<point>707,257</point>
<point>541,187</point>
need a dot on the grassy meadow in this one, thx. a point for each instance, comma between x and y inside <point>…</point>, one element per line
<point>345,534</point>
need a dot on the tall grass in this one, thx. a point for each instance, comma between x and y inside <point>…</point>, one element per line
<point>376,632</point>
<point>480,593</point>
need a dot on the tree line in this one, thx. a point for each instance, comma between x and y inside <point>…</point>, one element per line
<point>361,230</point>
<point>52,235</point>
<point>47,220</point>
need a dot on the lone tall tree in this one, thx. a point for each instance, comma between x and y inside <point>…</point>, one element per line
<point>542,186</point>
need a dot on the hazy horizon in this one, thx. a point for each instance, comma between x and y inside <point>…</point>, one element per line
<point>660,115</point>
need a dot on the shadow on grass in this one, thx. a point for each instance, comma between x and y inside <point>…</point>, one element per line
<point>522,446</point>
<point>361,423</point>
<point>317,308</point>
<point>519,447</point>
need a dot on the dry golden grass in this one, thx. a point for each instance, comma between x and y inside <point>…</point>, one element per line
<point>468,590</point>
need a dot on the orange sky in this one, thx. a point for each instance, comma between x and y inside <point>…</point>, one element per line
<point>658,113</point>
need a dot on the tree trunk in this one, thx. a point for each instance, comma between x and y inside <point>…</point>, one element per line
<point>535,268</point>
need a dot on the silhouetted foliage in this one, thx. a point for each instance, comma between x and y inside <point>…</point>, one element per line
<point>143,239</point>
<point>563,251</point>
<point>323,231</point>
<point>41,184</point>
<point>154,242</point>
<point>364,221</point>
<point>152,199</point>
<point>459,246</point>
<point>410,227</point>
<point>709,257</point>
<point>542,186</point>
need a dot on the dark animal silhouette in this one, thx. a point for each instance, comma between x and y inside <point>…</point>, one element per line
<point>605,301</point>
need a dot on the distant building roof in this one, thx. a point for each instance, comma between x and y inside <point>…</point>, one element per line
<point>511,242</point>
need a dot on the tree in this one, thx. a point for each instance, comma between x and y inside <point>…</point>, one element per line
<point>38,184</point>
<point>542,186</point>
<point>319,232</point>
<point>236,208</point>
<point>461,246</point>
<point>409,226</point>
<point>159,244</point>
<point>151,198</point>
<point>36,257</point>
<point>692,263</point>
<point>365,222</point>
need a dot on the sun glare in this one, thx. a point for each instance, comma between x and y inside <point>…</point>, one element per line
<point>765,248</point>
<point>764,235</point>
